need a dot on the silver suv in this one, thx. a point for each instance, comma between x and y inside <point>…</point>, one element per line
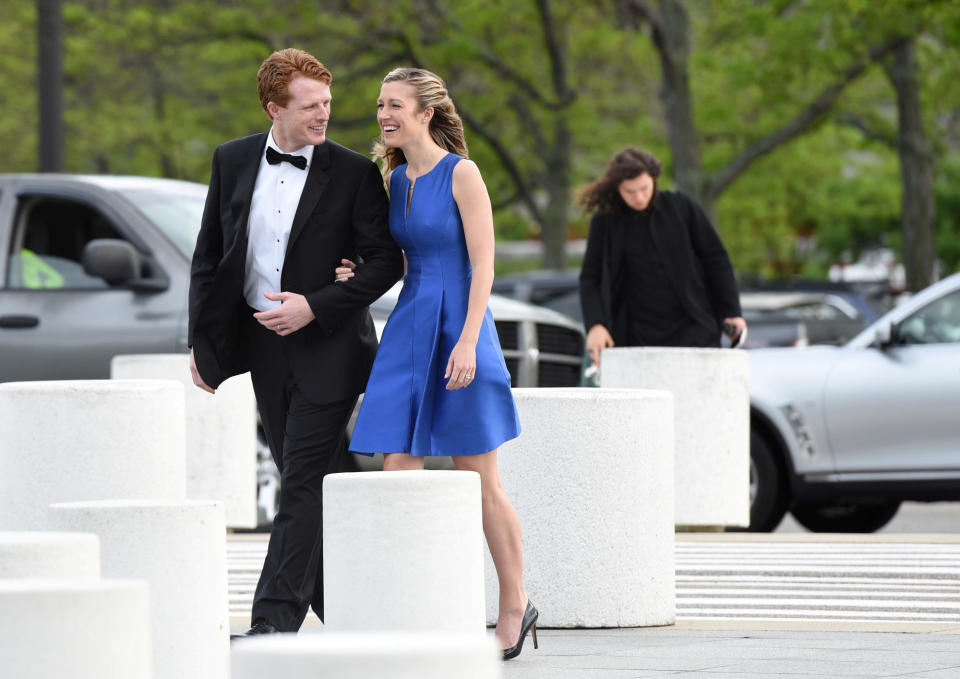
<point>841,435</point>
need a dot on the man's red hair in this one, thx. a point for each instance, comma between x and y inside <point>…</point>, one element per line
<point>280,68</point>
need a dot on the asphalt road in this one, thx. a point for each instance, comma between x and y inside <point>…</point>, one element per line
<point>913,517</point>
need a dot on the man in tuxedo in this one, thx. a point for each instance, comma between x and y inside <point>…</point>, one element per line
<point>283,208</point>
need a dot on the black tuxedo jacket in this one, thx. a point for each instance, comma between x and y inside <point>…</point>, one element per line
<point>343,212</point>
<point>695,260</point>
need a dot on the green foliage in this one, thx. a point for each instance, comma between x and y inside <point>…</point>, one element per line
<point>948,215</point>
<point>801,209</point>
<point>18,106</point>
<point>152,87</point>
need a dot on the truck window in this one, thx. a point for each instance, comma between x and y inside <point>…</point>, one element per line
<point>48,241</point>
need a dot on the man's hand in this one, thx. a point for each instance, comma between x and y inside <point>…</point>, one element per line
<point>598,339</point>
<point>293,313</point>
<point>195,374</point>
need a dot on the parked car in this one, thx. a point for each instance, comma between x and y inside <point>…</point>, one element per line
<point>870,299</point>
<point>826,318</point>
<point>95,266</point>
<point>560,291</point>
<point>840,436</point>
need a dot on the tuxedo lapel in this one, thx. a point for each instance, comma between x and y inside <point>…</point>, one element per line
<point>247,169</point>
<point>317,179</point>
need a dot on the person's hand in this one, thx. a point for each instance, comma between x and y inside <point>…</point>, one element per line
<point>293,313</point>
<point>598,339</point>
<point>739,325</point>
<point>462,366</point>
<point>195,374</point>
<point>344,272</point>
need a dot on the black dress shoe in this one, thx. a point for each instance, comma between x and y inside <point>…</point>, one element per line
<point>529,624</point>
<point>259,627</point>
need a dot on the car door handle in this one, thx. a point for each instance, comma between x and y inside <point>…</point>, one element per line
<point>19,321</point>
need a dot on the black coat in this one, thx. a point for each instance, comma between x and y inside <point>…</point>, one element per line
<point>343,212</point>
<point>695,260</point>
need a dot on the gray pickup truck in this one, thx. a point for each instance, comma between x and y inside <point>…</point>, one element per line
<point>95,266</point>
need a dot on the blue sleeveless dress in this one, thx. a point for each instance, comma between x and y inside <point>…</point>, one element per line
<point>407,408</point>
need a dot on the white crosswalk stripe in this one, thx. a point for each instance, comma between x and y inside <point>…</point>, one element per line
<point>823,581</point>
<point>787,581</point>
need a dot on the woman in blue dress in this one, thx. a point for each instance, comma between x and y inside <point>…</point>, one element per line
<point>439,385</point>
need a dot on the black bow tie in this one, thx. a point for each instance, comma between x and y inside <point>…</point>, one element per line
<point>274,157</point>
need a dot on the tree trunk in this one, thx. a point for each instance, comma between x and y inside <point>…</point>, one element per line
<point>916,169</point>
<point>50,84</point>
<point>557,181</point>
<point>673,45</point>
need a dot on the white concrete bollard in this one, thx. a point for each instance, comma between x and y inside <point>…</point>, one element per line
<point>221,433</point>
<point>85,440</point>
<point>368,655</point>
<point>591,478</point>
<point>52,629</point>
<point>712,424</point>
<point>403,551</point>
<point>179,547</point>
<point>54,556</point>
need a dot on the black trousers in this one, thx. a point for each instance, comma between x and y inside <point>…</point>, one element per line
<point>307,441</point>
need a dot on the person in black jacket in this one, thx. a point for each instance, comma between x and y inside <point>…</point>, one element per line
<point>655,272</point>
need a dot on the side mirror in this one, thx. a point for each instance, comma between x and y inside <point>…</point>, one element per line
<point>115,261</point>
<point>884,335</point>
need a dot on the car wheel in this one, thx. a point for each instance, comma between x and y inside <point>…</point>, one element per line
<point>846,517</point>
<point>769,494</point>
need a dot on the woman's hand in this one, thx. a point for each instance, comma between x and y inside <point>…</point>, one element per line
<point>344,272</point>
<point>461,366</point>
<point>598,339</point>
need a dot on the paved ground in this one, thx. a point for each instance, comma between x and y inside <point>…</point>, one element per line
<point>675,653</point>
<point>804,578</point>
<point>849,582</point>
<point>785,606</point>
<point>913,517</point>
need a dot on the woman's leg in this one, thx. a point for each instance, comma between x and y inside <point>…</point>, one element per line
<point>398,462</point>
<point>501,526</point>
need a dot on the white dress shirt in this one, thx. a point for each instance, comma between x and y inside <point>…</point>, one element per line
<point>276,195</point>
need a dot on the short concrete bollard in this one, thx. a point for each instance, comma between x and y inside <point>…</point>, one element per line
<point>712,424</point>
<point>368,655</point>
<point>53,556</point>
<point>179,547</point>
<point>85,440</point>
<point>221,433</point>
<point>52,629</point>
<point>403,551</point>
<point>591,478</point>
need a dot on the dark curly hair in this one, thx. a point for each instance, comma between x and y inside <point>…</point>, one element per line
<point>630,163</point>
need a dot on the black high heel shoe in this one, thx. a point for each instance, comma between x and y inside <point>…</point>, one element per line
<point>529,624</point>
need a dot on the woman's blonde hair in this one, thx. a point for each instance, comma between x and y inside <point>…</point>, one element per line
<point>446,128</point>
